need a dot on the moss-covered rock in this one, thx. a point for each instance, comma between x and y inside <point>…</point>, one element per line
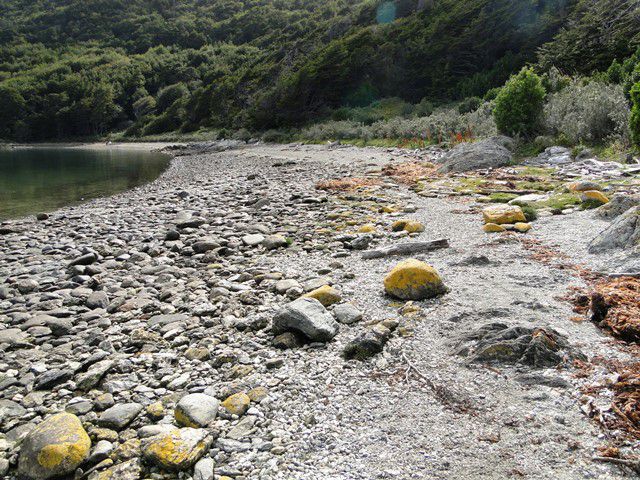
<point>501,214</point>
<point>56,447</point>
<point>413,280</point>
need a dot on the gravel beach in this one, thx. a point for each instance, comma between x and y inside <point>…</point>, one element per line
<point>116,309</point>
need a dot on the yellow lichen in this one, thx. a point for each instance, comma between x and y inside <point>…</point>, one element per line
<point>413,280</point>
<point>326,295</point>
<point>237,404</point>
<point>501,214</point>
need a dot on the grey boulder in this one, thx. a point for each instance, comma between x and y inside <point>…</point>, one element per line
<point>490,153</point>
<point>307,316</point>
<point>622,234</point>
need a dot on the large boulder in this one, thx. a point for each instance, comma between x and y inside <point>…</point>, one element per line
<point>622,234</point>
<point>618,204</point>
<point>307,316</point>
<point>489,153</point>
<point>413,280</point>
<point>56,447</point>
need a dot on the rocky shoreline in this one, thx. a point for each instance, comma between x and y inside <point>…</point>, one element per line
<point>148,317</point>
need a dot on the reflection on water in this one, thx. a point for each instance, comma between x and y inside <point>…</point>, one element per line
<point>36,180</point>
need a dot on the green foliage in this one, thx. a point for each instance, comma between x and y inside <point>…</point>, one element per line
<point>634,122</point>
<point>519,104</point>
<point>597,33</point>
<point>84,67</point>
<point>530,213</point>
<point>469,104</point>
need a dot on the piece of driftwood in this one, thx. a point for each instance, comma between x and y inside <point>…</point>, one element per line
<point>407,249</point>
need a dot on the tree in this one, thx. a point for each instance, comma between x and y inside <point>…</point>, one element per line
<point>519,104</point>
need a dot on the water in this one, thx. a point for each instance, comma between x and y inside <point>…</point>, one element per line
<point>34,180</point>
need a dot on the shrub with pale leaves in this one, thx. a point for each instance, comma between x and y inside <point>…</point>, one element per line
<point>588,113</point>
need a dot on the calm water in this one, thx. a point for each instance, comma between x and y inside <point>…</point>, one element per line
<point>34,180</point>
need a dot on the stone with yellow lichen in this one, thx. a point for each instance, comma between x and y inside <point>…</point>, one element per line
<point>56,447</point>
<point>583,186</point>
<point>409,226</point>
<point>155,410</point>
<point>368,228</point>
<point>237,403</point>
<point>326,295</point>
<point>493,228</point>
<point>196,410</point>
<point>177,450</point>
<point>522,227</point>
<point>257,394</point>
<point>413,280</point>
<point>594,196</point>
<point>501,214</point>
<point>129,470</point>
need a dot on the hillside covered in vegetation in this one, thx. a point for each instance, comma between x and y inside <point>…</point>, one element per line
<point>73,68</point>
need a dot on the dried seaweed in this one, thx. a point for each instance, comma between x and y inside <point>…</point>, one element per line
<point>409,173</point>
<point>615,305</point>
<point>347,184</point>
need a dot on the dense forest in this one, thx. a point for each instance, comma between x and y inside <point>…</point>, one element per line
<point>72,68</point>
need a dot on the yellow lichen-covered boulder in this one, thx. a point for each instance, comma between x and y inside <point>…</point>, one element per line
<point>326,295</point>
<point>522,227</point>
<point>493,228</point>
<point>237,403</point>
<point>413,280</point>
<point>56,447</point>
<point>594,196</point>
<point>500,214</point>
<point>409,226</point>
<point>178,449</point>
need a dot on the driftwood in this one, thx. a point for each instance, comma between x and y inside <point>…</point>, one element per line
<point>407,249</point>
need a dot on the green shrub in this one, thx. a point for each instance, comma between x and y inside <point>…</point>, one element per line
<point>492,94</point>
<point>634,122</point>
<point>590,112</point>
<point>470,104</point>
<point>519,104</point>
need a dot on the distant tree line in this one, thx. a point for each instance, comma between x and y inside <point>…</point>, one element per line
<point>71,68</point>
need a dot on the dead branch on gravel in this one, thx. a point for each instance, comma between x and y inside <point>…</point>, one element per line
<point>457,401</point>
<point>406,249</point>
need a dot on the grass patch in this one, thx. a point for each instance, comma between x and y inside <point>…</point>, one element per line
<point>559,202</point>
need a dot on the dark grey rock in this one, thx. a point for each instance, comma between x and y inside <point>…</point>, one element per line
<point>119,416</point>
